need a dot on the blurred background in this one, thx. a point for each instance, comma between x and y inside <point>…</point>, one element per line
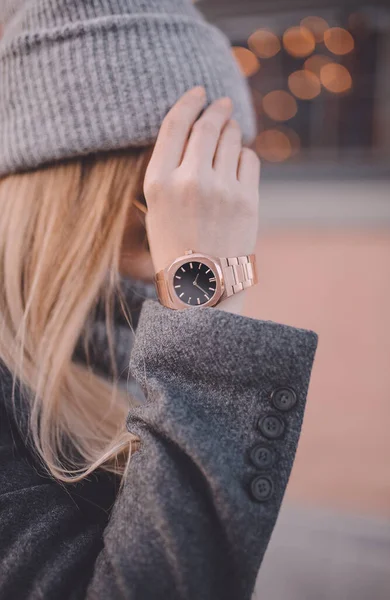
<point>320,78</point>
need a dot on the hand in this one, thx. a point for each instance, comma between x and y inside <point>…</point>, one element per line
<point>201,186</point>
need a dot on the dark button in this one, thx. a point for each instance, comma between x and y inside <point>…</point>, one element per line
<point>271,426</point>
<point>262,457</point>
<point>284,398</point>
<point>262,488</point>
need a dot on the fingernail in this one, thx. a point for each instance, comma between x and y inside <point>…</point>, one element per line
<point>226,101</point>
<point>198,91</point>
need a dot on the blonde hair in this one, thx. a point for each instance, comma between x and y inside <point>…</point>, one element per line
<point>61,235</point>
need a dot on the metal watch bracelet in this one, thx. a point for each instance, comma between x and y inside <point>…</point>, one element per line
<point>239,272</point>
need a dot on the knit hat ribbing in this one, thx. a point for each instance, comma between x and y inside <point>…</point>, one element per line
<point>80,76</point>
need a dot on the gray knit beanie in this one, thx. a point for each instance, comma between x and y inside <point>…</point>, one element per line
<point>80,76</point>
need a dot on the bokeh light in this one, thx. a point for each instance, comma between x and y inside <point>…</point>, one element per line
<point>280,105</point>
<point>264,43</point>
<point>273,145</point>
<point>247,60</point>
<point>338,41</point>
<point>299,41</point>
<point>277,145</point>
<point>294,139</point>
<point>336,78</point>
<point>304,84</point>
<point>317,26</point>
<point>316,62</point>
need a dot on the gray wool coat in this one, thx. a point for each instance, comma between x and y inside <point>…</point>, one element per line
<point>223,402</point>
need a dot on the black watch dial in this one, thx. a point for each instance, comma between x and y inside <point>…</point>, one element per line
<point>194,283</point>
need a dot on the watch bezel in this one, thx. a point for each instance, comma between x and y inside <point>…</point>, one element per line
<point>198,257</point>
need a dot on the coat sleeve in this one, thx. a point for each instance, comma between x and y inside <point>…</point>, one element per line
<point>225,398</point>
<point>219,430</point>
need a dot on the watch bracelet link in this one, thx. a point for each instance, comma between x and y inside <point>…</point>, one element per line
<point>239,272</point>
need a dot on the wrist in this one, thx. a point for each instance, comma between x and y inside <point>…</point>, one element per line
<point>197,279</point>
<point>234,304</point>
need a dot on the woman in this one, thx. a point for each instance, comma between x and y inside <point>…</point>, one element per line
<point>168,487</point>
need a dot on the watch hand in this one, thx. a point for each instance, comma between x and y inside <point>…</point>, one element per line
<point>201,289</point>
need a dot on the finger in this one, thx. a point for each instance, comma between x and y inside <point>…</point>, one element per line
<point>249,168</point>
<point>229,149</point>
<point>205,134</point>
<point>174,131</point>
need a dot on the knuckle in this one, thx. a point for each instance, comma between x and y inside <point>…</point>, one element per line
<point>251,155</point>
<point>223,191</point>
<point>234,126</point>
<point>172,124</point>
<point>206,127</point>
<point>190,186</point>
<point>153,186</point>
<point>235,197</point>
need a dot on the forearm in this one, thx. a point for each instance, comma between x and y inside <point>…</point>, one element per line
<point>192,522</point>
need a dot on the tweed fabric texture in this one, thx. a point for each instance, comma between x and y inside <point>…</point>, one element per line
<point>84,76</point>
<point>184,526</point>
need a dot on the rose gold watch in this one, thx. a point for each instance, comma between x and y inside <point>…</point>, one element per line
<point>197,279</point>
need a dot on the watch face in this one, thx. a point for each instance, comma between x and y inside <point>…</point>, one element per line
<point>194,283</point>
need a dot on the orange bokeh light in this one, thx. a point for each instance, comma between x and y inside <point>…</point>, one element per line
<point>294,139</point>
<point>273,145</point>
<point>304,84</point>
<point>338,41</point>
<point>247,61</point>
<point>317,26</point>
<point>316,62</point>
<point>264,43</point>
<point>299,41</point>
<point>336,78</point>
<point>280,105</point>
<point>277,145</point>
